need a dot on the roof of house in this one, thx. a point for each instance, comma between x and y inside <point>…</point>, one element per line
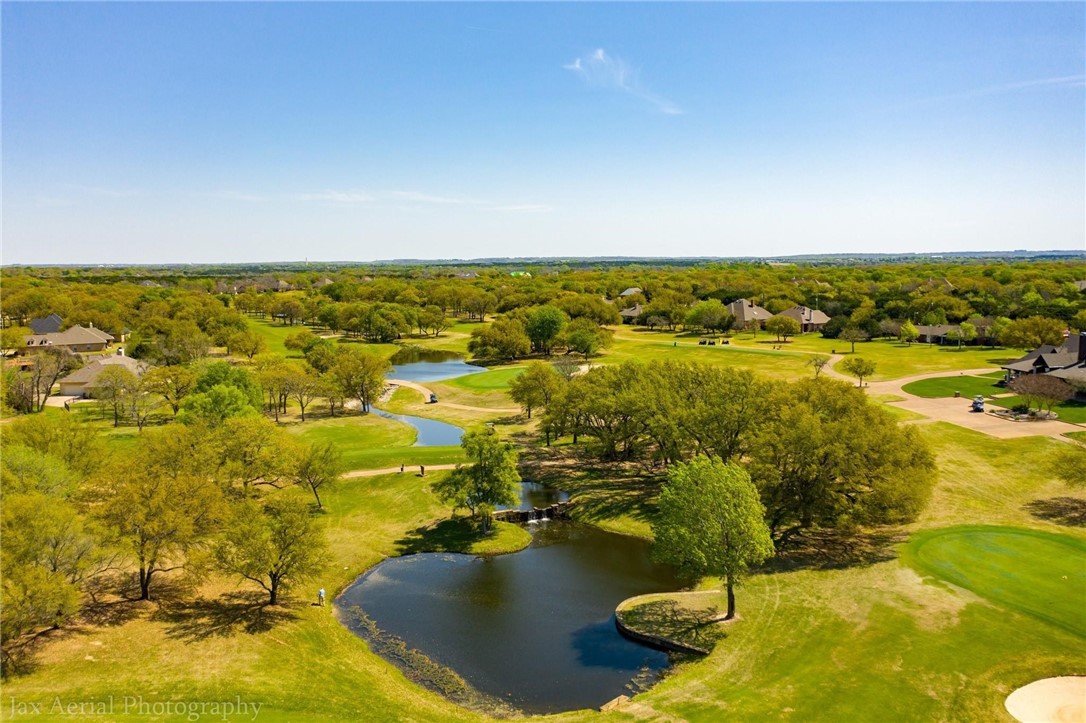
<point>748,311</point>
<point>1080,285</point>
<point>89,373</point>
<point>631,313</point>
<point>1057,360</point>
<point>806,315</point>
<point>930,330</point>
<point>1071,374</point>
<point>1020,365</point>
<point>46,324</point>
<point>70,337</point>
<point>631,291</point>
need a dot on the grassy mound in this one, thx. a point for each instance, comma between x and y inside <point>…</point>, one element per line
<point>1037,573</point>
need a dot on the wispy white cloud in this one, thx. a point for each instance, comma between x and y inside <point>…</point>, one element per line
<point>601,70</point>
<point>342,198</point>
<point>522,208</point>
<point>418,197</point>
<point>1062,81</point>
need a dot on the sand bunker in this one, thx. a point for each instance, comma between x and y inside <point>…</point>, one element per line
<point>1052,700</point>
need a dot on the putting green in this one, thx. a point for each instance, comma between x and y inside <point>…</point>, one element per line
<point>1037,573</point>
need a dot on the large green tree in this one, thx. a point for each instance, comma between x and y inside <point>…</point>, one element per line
<point>274,545</point>
<point>490,480</point>
<point>535,386</point>
<point>710,522</point>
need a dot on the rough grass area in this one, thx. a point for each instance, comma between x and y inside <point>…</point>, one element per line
<point>968,386</point>
<point>1036,573</point>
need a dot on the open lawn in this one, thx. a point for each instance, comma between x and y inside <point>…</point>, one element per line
<point>372,442</point>
<point>969,386</point>
<point>649,348</point>
<point>894,358</point>
<point>486,389</point>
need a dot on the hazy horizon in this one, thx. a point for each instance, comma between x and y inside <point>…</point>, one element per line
<point>236,133</point>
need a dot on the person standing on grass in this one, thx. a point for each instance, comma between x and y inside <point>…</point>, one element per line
<point>320,597</point>
<point>401,467</point>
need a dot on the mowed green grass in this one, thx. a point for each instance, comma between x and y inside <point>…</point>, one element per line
<point>1070,411</point>
<point>372,442</point>
<point>894,359</point>
<point>492,380</point>
<point>969,386</point>
<point>1037,573</point>
<point>778,364</point>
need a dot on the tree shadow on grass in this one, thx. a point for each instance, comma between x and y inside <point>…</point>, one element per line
<point>692,625</point>
<point>457,534</point>
<point>602,492</point>
<point>1069,511</point>
<point>836,550</point>
<point>222,617</point>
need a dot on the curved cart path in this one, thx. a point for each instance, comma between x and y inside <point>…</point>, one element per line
<point>959,410</point>
<point>426,395</point>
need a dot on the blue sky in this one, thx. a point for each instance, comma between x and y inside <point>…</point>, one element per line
<point>148,132</point>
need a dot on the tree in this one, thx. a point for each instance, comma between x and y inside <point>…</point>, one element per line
<point>490,480</point>
<point>853,334</point>
<point>710,315</point>
<point>965,332</point>
<point>1041,390</point>
<point>360,375</point>
<point>859,367</point>
<point>1033,332</point>
<point>112,387</point>
<point>1078,323</point>
<point>47,366</point>
<point>315,466</point>
<point>140,404</point>
<point>567,367</point>
<point>501,339</point>
<point>253,451</point>
<point>998,330</point>
<point>824,456</point>
<point>247,342</point>
<point>586,337</point>
<point>158,516</point>
<point>215,406</point>
<point>543,324</point>
<point>301,340</point>
<point>303,385</point>
<point>535,387</point>
<point>782,326</point>
<point>171,383</point>
<point>908,333</point>
<point>274,546</point>
<point>711,522</point>
<point>818,362</point>
<point>13,338</point>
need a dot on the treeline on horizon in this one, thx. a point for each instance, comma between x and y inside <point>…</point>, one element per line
<point>126,301</point>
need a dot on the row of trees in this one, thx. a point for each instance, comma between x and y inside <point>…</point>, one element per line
<point>539,330</point>
<point>820,453</point>
<point>189,499</point>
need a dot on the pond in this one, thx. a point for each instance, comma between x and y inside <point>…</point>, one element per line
<point>423,365</point>
<point>535,628</point>
<point>414,364</point>
<point>431,433</point>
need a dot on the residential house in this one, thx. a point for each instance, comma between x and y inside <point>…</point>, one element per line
<point>1067,361</point>
<point>809,319</point>
<point>75,338</point>
<point>46,325</point>
<point>630,315</point>
<point>631,291</point>
<point>748,314</point>
<point>83,382</point>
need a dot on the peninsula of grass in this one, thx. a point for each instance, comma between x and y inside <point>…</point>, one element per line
<point>367,441</point>
<point>464,535</point>
<point>689,619</point>
<point>967,386</point>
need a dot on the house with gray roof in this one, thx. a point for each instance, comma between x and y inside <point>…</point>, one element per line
<point>83,382</point>
<point>46,325</point>
<point>809,319</point>
<point>748,314</point>
<point>75,339</point>
<point>1067,361</point>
